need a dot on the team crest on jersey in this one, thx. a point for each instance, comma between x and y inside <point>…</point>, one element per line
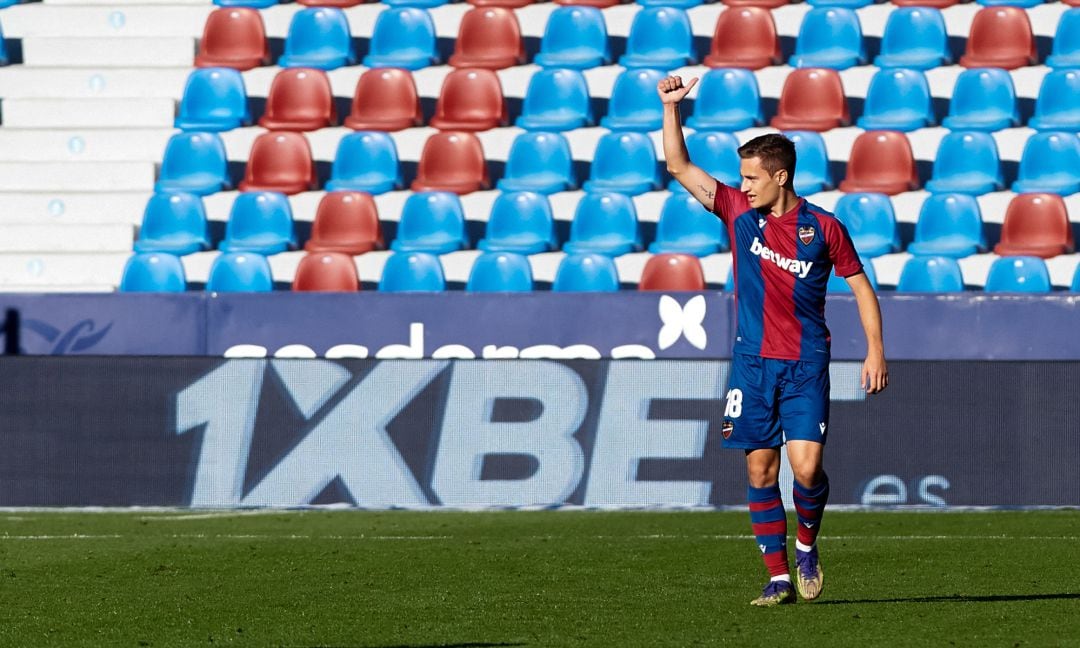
<point>727,429</point>
<point>806,234</point>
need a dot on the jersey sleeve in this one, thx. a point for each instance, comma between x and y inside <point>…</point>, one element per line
<point>729,202</point>
<point>842,252</point>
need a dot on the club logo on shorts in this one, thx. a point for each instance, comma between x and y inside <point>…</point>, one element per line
<point>727,429</point>
<point>806,234</point>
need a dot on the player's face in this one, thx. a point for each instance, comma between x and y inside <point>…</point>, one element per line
<point>762,188</point>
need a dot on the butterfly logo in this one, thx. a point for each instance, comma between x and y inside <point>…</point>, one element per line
<point>680,321</point>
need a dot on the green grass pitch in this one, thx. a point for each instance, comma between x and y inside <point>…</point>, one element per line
<point>550,578</point>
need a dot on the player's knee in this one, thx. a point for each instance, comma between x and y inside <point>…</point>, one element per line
<point>808,475</point>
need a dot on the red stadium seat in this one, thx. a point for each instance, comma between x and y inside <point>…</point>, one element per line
<point>452,161</point>
<point>233,37</point>
<point>1000,37</point>
<point>385,100</point>
<point>745,37</point>
<point>488,37</point>
<point>347,222</point>
<point>299,99</point>
<point>881,162</point>
<point>812,99</point>
<point>1036,224</point>
<point>672,272</point>
<point>279,161</point>
<point>764,4</point>
<point>326,272</point>
<point>471,100</point>
<point>509,4</point>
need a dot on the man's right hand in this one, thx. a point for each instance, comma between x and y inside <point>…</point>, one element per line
<point>672,90</point>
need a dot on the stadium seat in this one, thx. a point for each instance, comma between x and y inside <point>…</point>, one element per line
<point>812,99</point>
<point>949,225</point>
<point>431,221</point>
<point>300,99</point>
<point>1023,274</point>
<point>173,223</point>
<point>538,162</point>
<point>346,222</point>
<point>898,99</point>
<point>500,272</point>
<point>634,104</point>
<point>214,100</point>
<point>574,38</point>
<point>728,99</point>
<point>880,162</point>
<point>365,161</point>
<point>838,284</point>
<point>623,162</point>
<point>586,273</point>
<point>931,274</point>
<point>488,37</point>
<point>1058,105</point>
<point>673,273</point>
<point>318,37</point>
<point>660,38</point>
<point>521,222</point>
<point>744,37</point>
<point>1036,224</point>
<point>193,163</point>
<point>1065,51</point>
<point>1075,286</point>
<point>470,100</point>
<point>153,272</point>
<point>1000,37</point>
<point>717,154</point>
<point>686,227</point>
<point>385,99</point>
<point>412,272</point>
<point>812,173</point>
<point>915,38</point>
<point>279,161</point>
<point>326,272</point>
<point>870,221</point>
<point>556,100</point>
<point>402,38</point>
<point>829,37</point>
<point>240,272</point>
<point>260,222</point>
<point>983,99</point>
<point>966,162</point>
<point>604,223</point>
<point>233,37</point>
<point>4,60</point>
<point>452,161</point>
<point>1050,163</point>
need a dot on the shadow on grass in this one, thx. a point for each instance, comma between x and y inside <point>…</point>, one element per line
<point>959,598</point>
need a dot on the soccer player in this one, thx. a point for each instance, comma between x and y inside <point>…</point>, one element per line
<point>783,249</point>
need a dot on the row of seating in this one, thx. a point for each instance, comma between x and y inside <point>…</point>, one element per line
<point>682,4</point>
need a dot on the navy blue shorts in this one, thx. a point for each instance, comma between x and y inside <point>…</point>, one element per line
<point>771,401</point>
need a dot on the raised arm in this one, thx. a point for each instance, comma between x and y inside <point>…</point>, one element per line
<point>875,373</point>
<point>699,183</point>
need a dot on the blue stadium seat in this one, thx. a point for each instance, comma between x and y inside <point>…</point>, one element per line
<point>1018,274</point>
<point>983,99</point>
<point>240,272</point>
<point>914,38</point>
<point>624,162</point>
<point>538,162</point>
<point>686,227</point>
<point>174,223</point>
<point>931,274</point>
<point>838,284</point>
<point>898,99</point>
<point>1065,52</point>
<point>575,37</point>
<point>604,223</point>
<point>586,273</point>
<point>1050,163</point>
<point>812,173</point>
<point>716,153</point>
<point>634,104</point>
<point>949,224</point>
<point>412,272</point>
<point>500,272</point>
<point>253,4</point>
<point>402,38</point>
<point>214,100</point>
<point>259,222</point>
<point>521,222</point>
<point>829,37</point>
<point>870,221</point>
<point>319,37</point>
<point>431,221</point>
<point>556,100</point>
<point>1075,286</point>
<point>660,38</point>
<point>1058,105</point>
<point>365,161</point>
<point>3,44</point>
<point>728,99</point>
<point>193,163</point>
<point>966,162</point>
<point>153,272</point>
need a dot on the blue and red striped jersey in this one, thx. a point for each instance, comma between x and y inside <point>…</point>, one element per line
<point>781,267</point>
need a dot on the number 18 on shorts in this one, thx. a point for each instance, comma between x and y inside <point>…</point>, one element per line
<point>770,401</point>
